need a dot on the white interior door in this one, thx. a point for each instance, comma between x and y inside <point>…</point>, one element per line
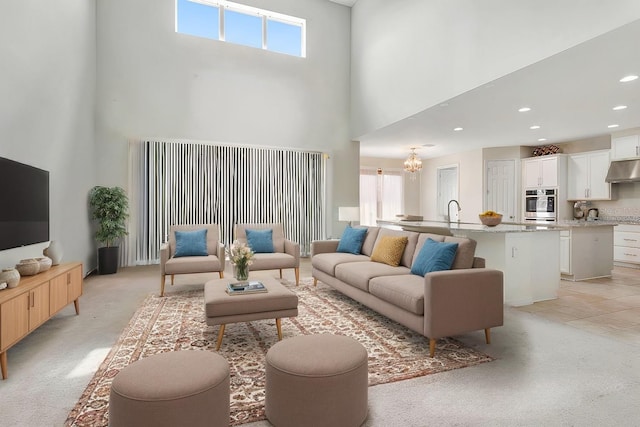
<point>447,190</point>
<point>501,189</point>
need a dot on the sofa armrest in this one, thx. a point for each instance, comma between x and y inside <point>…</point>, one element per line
<point>222,255</point>
<point>460,301</point>
<point>324,246</point>
<point>164,256</point>
<point>293,248</point>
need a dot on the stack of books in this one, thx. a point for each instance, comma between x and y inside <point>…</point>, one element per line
<point>244,288</point>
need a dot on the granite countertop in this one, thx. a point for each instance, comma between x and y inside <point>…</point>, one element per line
<point>435,226</point>
<point>452,227</point>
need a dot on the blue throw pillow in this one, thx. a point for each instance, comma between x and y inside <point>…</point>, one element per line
<point>434,256</point>
<point>191,243</point>
<point>260,241</point>
<point>352,240</point>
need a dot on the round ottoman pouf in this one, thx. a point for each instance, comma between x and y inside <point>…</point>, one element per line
<point>317,380</point>
<point>180,388</point>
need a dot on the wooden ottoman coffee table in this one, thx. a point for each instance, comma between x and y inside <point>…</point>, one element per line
<point>221,308</point>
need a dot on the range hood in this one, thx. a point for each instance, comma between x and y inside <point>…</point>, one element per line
<point>624,171</point>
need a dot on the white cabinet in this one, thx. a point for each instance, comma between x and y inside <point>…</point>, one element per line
<point>586,176</point>
<point>625,147</point>
<point>540,172</point>
<point>590,251</point>
<point>565,251</point>
<point>626,245</point>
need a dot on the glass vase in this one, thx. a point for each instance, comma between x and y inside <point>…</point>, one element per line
<point>241,272</point>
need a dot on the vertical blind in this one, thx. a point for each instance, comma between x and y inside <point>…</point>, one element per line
<point>195,183</point>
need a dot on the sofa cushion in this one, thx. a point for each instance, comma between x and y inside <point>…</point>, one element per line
<point>273,261</point>
<point>277,233</point>
<point>434,256</point>
<point>352,240</point>
<point>191,243</point>
<point>412,240</point>
<point>423,238</point>
<point>260,241</point>
<point>466,251</point>
<point>192,264</point>
<point>358,274</point>
<point>389,250</point>
<point>404,291</point>
<point>327,262</point>
<point>370,240</point>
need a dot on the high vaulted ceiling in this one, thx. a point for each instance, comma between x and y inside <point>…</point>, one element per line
<point>571,96</point>
<point>345,2</point>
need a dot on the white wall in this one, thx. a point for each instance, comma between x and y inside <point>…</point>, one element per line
<point>470,172</point>
<point>410,55</point>
<point>153,82</point>
<point>47,98</point>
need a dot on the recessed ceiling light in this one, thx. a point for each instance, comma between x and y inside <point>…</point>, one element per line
<point>542,139</point>
<point>524,109</point>
<point>534,127</point>
<point>619,107</point>
<point>628,78</point>
<point>613,126</point>
<point>444,104</point>
<point>457,129</point>
<point>428,145</point>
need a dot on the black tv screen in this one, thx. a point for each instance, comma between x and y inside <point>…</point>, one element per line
<point>24,204</point>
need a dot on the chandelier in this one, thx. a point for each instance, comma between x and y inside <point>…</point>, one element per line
<point>413,162</point>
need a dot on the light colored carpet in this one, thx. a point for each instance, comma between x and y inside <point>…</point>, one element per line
<point>176,322</point>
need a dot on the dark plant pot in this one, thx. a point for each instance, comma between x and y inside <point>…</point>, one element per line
<point>108,260</point>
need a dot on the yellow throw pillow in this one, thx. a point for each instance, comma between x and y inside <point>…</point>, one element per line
<point>389,250</point>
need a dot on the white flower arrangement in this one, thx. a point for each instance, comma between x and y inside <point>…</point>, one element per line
<point>240,254</point>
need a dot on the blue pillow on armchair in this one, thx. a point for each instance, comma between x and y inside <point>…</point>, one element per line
<point>434,256</point>
<point>260,241</point>
<point>352,240</point>
<point>191,243</point>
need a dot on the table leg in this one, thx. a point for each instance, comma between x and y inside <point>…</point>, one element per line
<point>76,303</point>
<point>3,364</point>
<point>279,326</point>
<point>220,335</point>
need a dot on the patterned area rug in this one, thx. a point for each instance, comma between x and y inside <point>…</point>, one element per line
<point>176,322</point>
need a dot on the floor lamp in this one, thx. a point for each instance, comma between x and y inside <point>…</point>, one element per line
<point>349,214</point>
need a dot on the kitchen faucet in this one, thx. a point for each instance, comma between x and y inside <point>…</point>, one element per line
<point>449,209</point>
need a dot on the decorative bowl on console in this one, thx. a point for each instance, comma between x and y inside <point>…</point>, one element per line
<point>45,263</point>
<point>490,218</point>
<point>28,267</point>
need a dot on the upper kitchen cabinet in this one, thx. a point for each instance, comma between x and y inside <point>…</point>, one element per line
<point>625,147</point>
<point>586,176</point>
<point>543,171</point>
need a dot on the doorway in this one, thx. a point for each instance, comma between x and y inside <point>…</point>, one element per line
<point>500,194</point>
<point>447,190</point>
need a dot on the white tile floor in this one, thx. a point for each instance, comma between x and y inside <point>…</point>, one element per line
<point>607,306</point>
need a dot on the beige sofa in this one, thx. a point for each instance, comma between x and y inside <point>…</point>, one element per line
<point>466,298</point>
<point>286,253</point>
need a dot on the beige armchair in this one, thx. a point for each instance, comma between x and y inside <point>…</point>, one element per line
<point>211,262</point>
<point>286,253</point>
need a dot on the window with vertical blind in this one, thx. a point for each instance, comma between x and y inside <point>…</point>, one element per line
<point>195,183</point>
<point>381,194</point>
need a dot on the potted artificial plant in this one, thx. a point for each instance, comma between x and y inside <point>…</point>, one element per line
<point>110,206</point>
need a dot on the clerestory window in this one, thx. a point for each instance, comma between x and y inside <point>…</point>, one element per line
<point>240,24</point>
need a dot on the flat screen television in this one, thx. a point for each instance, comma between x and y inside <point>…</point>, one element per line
<point>24,204</point>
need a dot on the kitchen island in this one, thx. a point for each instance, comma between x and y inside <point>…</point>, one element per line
<point>529,255</point>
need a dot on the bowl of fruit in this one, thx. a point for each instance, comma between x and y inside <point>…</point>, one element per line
<point>490,218</point>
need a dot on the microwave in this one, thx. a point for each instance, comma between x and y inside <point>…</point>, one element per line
<point>540,205</point>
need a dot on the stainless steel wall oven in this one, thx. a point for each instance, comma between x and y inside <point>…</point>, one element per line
<point>540,205</point>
